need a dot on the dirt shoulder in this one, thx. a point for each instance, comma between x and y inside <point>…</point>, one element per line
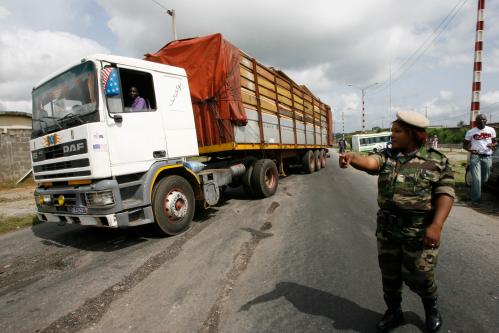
<point>17,202</point>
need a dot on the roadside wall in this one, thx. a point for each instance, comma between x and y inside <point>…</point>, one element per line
<point>15,159</point>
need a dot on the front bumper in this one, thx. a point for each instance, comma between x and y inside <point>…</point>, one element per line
<point>76,208</point>
<point>119,220</point>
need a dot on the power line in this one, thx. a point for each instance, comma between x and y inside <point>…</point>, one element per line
<point>425,46</point>
<point>159,4</point>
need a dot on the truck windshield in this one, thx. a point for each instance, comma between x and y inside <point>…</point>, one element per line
<point>67,100</point>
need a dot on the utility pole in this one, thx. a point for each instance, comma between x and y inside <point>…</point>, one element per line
<point>477,67</point>
<point>171,12</point>
<point>343,122</point>
<point>363,92</point>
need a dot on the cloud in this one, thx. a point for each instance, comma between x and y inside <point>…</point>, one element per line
<point>446,95</point>
<point>4,12</point>
<point>27,56</point>
<point>491,97</point>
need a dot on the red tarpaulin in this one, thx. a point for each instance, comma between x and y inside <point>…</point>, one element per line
<point>212,66</point>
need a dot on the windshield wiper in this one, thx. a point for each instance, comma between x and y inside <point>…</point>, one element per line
<point>70,116</point>
<point>53,118</point>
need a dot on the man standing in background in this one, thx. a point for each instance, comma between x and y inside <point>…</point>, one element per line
<point>480,141</point>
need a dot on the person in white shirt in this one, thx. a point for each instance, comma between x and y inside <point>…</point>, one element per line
<point>480,141</point>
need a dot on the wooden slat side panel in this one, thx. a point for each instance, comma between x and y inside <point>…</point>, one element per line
<point>245,61</point>
<point>265,73</point>
<point>250,85</point>
<point>265,83</point>
<point>268,104</point>
<point>267,93</point>
<point>284,100</point>
<point>298,99</point>
<point>283,83</point>
<point>248,97</point>
<point>283,91</point>
<point>246,73</point>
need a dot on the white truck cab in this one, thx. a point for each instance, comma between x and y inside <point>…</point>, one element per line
<point>98,157</point>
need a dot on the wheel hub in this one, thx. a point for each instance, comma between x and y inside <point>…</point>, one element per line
<point>176,205</point>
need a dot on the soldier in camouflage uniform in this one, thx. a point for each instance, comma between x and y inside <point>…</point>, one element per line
<point>415,196</point>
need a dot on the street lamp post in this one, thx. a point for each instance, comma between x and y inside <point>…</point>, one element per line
<point>171,12</point>
<point>363,91</point>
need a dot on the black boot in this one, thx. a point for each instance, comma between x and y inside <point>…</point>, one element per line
<point>393,317</point>
<point>433,317</point>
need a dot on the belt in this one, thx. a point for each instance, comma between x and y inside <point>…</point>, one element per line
<point>482,155</point>
<point>405,218</point>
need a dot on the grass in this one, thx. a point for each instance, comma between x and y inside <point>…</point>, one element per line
<point>462,191</point>
<point>12,223</point>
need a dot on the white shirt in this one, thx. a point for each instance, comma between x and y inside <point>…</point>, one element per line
<point>480,138</point>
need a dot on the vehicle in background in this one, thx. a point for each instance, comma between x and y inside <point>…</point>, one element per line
<point>493,183</point>
<point>372,142</point>
<point>100,161</point>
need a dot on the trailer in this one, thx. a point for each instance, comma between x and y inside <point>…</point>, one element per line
<point>208,116</point>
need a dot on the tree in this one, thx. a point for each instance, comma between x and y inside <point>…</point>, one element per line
<point>461,124</point>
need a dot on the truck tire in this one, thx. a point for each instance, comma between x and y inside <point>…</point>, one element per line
<point>265,178</point>
<point>246,178</point>
<point>323,158</point>
<point>317,156</point>
<point>173,205</point>
<point>309,162</point>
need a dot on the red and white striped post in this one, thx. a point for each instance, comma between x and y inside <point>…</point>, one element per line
<point>477,67</point>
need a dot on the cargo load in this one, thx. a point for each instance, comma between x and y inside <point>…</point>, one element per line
<point>239,103</point>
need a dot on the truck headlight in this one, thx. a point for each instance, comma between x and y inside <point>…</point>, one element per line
<point>45,199</point>
<point>100,198</point>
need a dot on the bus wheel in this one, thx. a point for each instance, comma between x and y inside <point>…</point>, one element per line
<point>317,156</point>
<point>323,158</point>
<point>173,205</point>
<point>265,178</point>
<point>309,162</point>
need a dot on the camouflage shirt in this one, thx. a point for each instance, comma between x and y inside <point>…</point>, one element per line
<point>410,182</point>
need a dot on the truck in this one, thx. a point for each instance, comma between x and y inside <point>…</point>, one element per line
<point>211,116</point>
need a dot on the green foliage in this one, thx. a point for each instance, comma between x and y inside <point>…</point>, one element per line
<point>448,135</point>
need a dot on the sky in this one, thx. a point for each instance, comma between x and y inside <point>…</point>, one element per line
<point>411,55</point>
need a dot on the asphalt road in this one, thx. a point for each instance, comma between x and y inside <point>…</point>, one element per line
<point>303,260</point>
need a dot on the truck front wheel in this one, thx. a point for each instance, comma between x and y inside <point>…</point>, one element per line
<point>265,178</point>
<point>173,205</point>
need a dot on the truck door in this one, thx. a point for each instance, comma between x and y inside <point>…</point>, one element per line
<point>135,131</point>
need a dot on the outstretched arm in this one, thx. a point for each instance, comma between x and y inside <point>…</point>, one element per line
<point>364,163</point>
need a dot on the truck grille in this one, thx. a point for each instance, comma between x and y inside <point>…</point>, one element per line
<point>63,175</point>
<point>60,150</point>
<point>62,165</point>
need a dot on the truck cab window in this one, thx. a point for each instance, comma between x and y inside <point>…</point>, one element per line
<point>138,91</point>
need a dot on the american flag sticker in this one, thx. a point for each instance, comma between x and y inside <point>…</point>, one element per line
<point>110,81</point>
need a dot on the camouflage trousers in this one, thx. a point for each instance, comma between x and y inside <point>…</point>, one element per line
<point>402,256</point>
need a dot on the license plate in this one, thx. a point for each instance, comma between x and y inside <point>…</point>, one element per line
<point>78,210</point>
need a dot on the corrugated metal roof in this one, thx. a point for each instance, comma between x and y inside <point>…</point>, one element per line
<point>16,113</point>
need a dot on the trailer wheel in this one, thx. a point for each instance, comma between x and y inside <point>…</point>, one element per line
<point>317,156</point>
<point>309,162</point>
<point>173,205</point>
<point>265,178</point>
<point>323,158</point>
